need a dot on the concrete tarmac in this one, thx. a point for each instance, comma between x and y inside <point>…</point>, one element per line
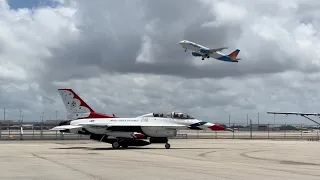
<point>188,159</point>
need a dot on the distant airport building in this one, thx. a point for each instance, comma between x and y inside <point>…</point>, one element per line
<point>257,127</point>
<point>11,124</point>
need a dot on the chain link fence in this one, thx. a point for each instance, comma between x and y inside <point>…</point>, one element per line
<point>239,131</point>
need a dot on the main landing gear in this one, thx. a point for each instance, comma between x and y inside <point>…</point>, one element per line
<point>160,140</point>
<point>185,50</point>
<point>124,143</point>
<point>205,57</point>
<point>117,144</point>
<point>167,146</point>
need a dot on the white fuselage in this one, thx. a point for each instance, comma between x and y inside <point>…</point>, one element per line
<point>149,125</point>
<point>196,48</point>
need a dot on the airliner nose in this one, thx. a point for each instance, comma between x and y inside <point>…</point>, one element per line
<point>216,127</point>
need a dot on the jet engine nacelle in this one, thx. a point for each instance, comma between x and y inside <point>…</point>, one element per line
<point>195,54</point>
<point>159,132</point>
<point>74,130</point>
<point>204,51</point>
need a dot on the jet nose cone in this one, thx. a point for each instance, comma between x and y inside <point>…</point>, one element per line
<point>181,42</point>
<point>217,127</point>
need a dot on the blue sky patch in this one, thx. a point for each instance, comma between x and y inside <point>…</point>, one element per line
<point>30,4</point>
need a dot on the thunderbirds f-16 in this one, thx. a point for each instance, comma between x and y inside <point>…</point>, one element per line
<point>143,130</point>
<point>204,52</point>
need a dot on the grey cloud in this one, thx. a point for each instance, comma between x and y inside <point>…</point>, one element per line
<point>117,52</point>
<point>101,62</point>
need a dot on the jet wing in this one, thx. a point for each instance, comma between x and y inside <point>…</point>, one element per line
<point>139,123</point>
<point>217,49</point>
<point>295,113</point>
<point>115,124</point>
<point>65,127</point>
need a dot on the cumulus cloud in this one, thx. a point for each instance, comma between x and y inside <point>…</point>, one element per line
<point>123,57</point>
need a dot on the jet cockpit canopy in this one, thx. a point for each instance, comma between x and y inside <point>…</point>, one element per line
<point>180,115</point>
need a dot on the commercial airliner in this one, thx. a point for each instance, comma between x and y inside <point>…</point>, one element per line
<point>204,52</point>
<point>123,132</point>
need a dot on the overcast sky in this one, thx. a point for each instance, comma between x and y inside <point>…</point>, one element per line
<point>123,57</point>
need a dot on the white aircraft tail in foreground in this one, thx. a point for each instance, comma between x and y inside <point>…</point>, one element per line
<point>77,108</point>
<point>204,52</point>
<point>133,131</point>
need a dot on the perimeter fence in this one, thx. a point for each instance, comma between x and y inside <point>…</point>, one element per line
<point>265,131</point>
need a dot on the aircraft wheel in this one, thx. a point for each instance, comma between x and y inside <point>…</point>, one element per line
<point>167,146</point>
<point>115,145</point>
<point>124,146</point>
<point>185,50</point>
<point>202,59</point>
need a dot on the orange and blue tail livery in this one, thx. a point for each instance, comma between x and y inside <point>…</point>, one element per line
<point>234,54</point>
<point>232,57</point>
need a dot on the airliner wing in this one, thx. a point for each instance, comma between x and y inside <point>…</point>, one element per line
<point>295,113</point>
<point>217,49</point>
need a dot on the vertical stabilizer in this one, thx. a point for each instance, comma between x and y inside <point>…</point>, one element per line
<point>234,54</point>
<point>77,108</point>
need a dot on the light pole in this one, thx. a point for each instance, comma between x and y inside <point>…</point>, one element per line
<point>41,118</point>
<point>21,129</point>
<point>56,124</point>
<point>4,117</point>
<point>274,120</point>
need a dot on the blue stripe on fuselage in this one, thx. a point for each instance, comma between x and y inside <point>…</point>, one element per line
<point>226,58</point>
